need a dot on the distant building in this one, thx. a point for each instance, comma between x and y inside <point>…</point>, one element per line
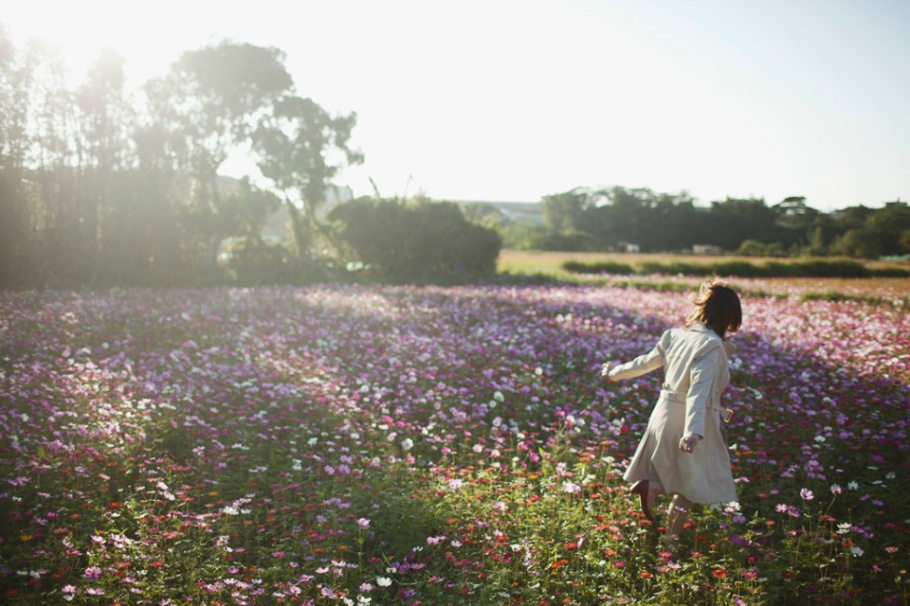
<point>633,248</point>
<point>706,249</point>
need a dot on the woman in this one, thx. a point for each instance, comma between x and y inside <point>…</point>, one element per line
<point>670,458</point>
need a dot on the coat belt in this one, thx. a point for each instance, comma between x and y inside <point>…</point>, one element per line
<point>680,398</point>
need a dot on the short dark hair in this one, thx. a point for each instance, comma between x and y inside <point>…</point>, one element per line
<point>718,306</point>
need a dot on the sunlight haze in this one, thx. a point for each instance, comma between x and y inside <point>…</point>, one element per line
<point>514,100</point>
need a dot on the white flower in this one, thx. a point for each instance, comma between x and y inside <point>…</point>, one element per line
<point>852,485</point>
<point>570,487</point>
<point>857,551</point>
<point>407,444</point>
<point>383,581</point>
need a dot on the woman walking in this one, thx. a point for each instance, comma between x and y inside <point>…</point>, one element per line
<point>684,449</point>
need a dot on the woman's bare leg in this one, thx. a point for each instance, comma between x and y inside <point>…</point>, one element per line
<point>655,489</point>
<point>677,515</point>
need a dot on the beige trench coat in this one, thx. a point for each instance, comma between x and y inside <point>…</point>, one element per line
<point>696,372</point>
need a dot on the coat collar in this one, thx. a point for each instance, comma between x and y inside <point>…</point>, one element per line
<point>729,348</point>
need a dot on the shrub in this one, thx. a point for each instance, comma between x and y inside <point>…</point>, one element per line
<point>603,267</point>
<point>255,262</point>
<point>422,241</point>
<point>742,269</point>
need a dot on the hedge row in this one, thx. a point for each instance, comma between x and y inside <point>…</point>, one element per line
<point>741,269</point>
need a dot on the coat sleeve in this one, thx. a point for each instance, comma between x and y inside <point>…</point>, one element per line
<point>704,369</point>
<point>643,364</point>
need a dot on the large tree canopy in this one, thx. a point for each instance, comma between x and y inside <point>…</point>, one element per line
<point>209,104</point>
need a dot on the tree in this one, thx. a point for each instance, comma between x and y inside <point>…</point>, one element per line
<point>252,259</point>
<point>209,104</point>
<point>421,240</point>
<point>904,241</point>
<point>301,148</point>
<point>735,220</point>
<point>564,212</point>
<point>104,120</point>
<point>887,225</point>
<point>856,243</point>
<point>15,227</point>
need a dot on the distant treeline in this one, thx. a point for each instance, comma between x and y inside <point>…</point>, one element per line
<point>620,219</point>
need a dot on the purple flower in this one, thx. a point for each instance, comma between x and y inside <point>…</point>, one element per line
<point>806,494</point>
<point>92,573</point>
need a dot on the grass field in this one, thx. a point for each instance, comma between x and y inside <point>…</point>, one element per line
<point>423,445</point>
<point>549,264</point>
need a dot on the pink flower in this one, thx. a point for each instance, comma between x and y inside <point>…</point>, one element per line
<point>806,494</point>
<point>92,573</point>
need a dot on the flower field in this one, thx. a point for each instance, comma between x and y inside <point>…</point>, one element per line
<point>404,445</point>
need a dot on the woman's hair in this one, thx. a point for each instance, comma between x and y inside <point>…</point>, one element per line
<point>718,306</point>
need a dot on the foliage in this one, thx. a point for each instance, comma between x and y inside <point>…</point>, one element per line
<point>299,146</point>
<point>613,218</point>
<point>420,240</point>
<point>767,269</point>
<point>754,248</point>
<point>101,185</point>
<point>94,190</point>
<point>209,104</point>
<point>404,445</point>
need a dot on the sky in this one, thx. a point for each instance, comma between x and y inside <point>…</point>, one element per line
<point>512,100</point>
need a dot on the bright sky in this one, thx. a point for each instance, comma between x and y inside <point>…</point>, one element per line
<point>511,100</point>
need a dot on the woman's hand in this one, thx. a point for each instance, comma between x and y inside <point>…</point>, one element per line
<point>605,372</point>
<point>688,442</point>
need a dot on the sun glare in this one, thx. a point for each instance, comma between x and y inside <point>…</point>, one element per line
<point>147,37</point>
